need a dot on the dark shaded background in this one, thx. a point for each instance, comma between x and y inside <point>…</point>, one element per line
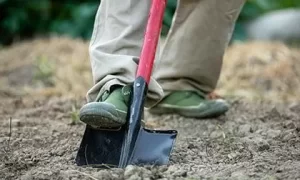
<point>23,19</point>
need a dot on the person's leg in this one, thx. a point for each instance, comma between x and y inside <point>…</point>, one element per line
<point>192,57</point>
<point>117,39</point>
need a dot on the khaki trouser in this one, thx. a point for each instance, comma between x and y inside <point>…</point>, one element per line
<point>190,60</point>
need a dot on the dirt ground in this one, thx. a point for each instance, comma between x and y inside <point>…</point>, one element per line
<point>40,132</point>
<point>252,141</point>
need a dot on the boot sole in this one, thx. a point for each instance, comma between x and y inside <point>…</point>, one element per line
<point>102,115</point>
<point>218,110</point>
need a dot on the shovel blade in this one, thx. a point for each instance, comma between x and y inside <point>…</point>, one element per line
<point>153,147</point>
<point>100,148</point>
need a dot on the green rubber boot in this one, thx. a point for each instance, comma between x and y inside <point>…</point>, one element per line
<point>190,104</point>
<point>110,112</point>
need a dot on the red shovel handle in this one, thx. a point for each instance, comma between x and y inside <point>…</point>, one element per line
<point>152,34</point>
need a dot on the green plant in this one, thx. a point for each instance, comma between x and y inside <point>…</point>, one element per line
<point>74,115</point>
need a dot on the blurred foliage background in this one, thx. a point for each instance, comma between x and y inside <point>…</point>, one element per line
<point>23,19</point>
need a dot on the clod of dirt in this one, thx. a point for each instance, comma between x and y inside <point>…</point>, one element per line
<point>245,129</point>
<point>239,175</point>
<point>263,146</point>
<point>137,173</point>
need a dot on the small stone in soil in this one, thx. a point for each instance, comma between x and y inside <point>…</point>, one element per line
<point>232,155</point>
<point>290,125</point>
<point>288,136</point>
<point>191,146</point>
<point>263,147</point>
<point>245,129</point>
<point>273,133</point>
<point>180,173</point>
<point>239,175</point>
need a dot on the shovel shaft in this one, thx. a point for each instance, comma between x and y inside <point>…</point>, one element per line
<point>152,34</point>
<point>142,80</point>
<point>134,125</point>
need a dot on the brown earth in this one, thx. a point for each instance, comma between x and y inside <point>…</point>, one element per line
<point>259,138</point>
<point>47,67</point>
<point>253,141</point>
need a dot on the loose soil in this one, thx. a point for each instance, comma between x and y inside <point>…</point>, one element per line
<point>252,141</point>
<point>40,132</point>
